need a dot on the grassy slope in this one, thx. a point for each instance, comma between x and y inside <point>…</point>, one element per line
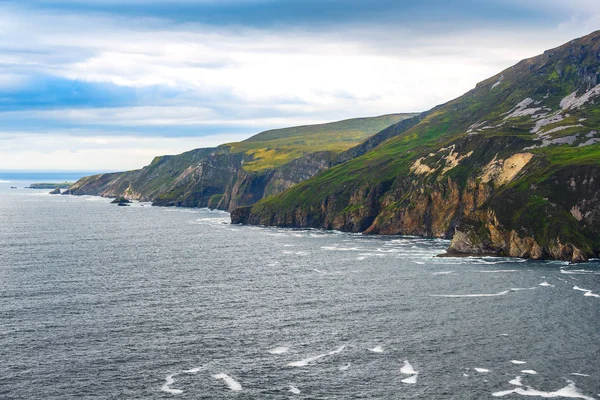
<point>547,78</point>
<point>273,148</point>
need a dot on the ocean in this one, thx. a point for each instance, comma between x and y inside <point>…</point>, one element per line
<point>105,302</point>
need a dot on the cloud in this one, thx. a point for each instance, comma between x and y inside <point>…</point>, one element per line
<point>92,152</point>
<point>136,69</point>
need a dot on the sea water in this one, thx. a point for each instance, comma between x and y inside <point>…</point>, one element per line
<point>105,302</point>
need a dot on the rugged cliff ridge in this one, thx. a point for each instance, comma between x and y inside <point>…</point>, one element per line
<point>509,168</point>
<point>238,174</point>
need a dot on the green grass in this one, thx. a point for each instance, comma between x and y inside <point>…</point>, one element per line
<point>271,149</point>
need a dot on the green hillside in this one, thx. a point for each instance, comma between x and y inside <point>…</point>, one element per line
<point>514,160</point>
<point>274,148</point>
<point>238,173</point>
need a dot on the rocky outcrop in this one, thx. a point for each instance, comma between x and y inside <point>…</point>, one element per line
<point>55,191</point>
<point>488,236</point>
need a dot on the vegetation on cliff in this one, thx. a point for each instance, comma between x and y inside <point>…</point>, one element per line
<point>237,174</point>
<point>510,168</point>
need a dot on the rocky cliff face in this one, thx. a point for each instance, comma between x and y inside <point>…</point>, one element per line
<point>237,174</point>
<point>510,168</point>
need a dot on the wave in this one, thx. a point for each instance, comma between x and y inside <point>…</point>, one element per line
<point>588,293</point>
<point>570,391</point>
<point>517,362</point>
<point>306,361</point>
<point>516,381</point>
<point>498,271</point>
<point>579,272</point>
<point>482,370</point>
<point>278,350</point>
<point>407,368</point>
<point>411,379</point>
<point>502,293</point>
<point>231,383</point>
<point>294,390</point>
<point>376,349</point>
<point>167,386</point>
<point>529,372</point>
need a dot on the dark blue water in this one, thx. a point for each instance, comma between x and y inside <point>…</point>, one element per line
<point>107,302</point>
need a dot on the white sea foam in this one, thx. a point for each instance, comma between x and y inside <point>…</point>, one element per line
<point>578,374</point>
<point>294,390</point>
<point>481,370</point>
<point>193,370</point>
<point>327,273</point>
<point>471,295</point>
<point>443,273</point>
<point>497,271</point>
<point>516,381</point>
<point>411,380</point>
<point>504,292</point>
<point>587,293</point>
<point>579,272</point>
<point>306,361</point>
<point>407,368</point>
<point>546,284</point>
<point>1,181</point>
<point>569,391</point>
<point>167,386</point>
<point>278,350</point>
<point>344,367</point>
<point>231,383</point>
<point>377,349</point>
<point>529,372</point>
<point>335,248</point>
<point>518,362</point>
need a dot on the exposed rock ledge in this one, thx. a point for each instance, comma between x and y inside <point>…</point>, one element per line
<point>486,236</point>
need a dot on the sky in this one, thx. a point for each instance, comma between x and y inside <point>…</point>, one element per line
<point>107,85</point>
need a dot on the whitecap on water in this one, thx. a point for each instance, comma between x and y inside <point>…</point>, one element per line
<point>377,349</point>
<point>167,386</point>
<point>579,272</point>
<point>570,391</point>
<point>578,374</point>
<point>481,370</point>
<point>306,361</point>
<point>529,372</point>
<point>278,350</point>
<point>546,284</point>
<point>498,271</point>
<point>443,273</point>
<point>410,380</point>
<point>231,383</point>
<point>502,293</point>
<point>516,381</point>
<point>407,368</point>
<point>294,390</point>
<point>587,293</point>
<point>518,362</point>
<point>344,367</point>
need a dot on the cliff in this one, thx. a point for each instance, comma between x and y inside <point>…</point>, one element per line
<point>238,174</point>
<point>509,168</point>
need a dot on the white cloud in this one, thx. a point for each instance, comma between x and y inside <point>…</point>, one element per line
<point>237,76</point>
<point>31,151</point>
